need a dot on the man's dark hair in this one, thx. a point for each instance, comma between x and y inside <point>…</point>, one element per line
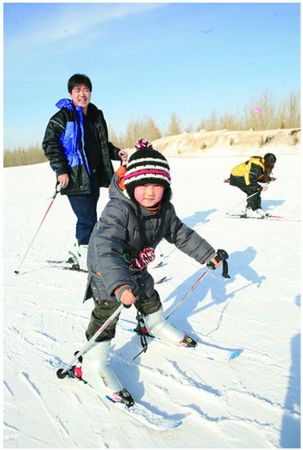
<point>77,79</point>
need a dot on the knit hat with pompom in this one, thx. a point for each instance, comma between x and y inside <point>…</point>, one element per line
<point>146,165</point>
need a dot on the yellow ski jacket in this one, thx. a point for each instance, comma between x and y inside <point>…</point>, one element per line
<point>252,170</point>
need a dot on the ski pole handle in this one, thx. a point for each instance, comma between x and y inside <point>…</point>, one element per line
<point>221,255</point>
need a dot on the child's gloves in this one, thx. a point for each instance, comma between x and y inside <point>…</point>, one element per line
<point>217,259</point>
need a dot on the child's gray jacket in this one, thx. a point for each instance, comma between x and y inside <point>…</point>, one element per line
<point>122,231</point>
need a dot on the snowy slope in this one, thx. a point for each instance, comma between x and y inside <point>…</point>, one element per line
<point>252,401</point>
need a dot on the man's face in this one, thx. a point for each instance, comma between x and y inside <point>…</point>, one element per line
<point>81,96</point>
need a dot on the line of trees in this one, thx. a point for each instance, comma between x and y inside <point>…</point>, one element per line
<point>23,157</point>
<point>263,113</point>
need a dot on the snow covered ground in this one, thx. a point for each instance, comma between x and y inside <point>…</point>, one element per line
<point>249,402</point>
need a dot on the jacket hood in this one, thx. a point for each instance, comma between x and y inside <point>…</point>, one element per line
<point>65,103</point>
<point>68,103</point>
<point>116,193</point>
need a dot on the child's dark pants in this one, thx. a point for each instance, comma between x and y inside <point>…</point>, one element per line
<point>104,309</point>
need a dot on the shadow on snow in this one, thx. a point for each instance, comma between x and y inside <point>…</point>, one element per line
<point>290,427</point>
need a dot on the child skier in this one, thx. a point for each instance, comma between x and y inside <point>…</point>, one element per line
<point>138,215</point>
<point>247,176</point>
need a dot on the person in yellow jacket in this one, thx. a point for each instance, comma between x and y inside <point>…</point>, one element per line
<point>247,176</point>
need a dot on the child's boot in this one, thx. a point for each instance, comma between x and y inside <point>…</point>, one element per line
<point>159,327</point>
<point>97,372</point>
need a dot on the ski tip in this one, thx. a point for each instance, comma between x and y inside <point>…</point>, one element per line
<point>176,424</point>
<point>235,354</point>
<point>166,425</point>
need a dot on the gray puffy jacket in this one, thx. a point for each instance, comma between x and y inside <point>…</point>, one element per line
<point>118,233</point>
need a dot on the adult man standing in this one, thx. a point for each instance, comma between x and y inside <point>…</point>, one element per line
<point>77,147</point>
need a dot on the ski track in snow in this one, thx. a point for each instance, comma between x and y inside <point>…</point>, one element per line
<point>252,401</point>
<point>193,388</point>
<point>55,421</point>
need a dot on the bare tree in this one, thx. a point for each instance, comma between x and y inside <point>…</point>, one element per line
<point>174,126</point>
<point>289,112</point>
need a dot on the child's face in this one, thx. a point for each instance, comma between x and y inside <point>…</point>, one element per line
<point>149,194</point>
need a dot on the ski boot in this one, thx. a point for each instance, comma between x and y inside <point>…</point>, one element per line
<point>97,372</point>
<point>122,396</point>
<point>158,326</point>
<point>255,213</point>
<point>78,257</point>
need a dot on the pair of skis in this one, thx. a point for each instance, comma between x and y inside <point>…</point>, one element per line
<point>143,413</point>
<point>137,410</point>
<point>268,216</point>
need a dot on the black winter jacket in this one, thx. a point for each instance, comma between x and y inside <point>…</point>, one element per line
<point>63,145</point>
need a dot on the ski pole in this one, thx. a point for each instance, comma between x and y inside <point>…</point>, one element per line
<point>222,255</point>
<point>61,373</point>
<point>191,289</point>
<point>250,196</point>
<point>57,190</point>
<point>242,201</point>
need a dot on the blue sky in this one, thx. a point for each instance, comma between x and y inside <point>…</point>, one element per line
<point>145,59</point>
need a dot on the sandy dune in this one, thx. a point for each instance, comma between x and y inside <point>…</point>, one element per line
<point>236,142</point>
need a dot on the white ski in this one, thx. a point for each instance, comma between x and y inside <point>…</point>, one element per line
<point>203,349</point>
<point>139,412</point>
<point>267,217</point>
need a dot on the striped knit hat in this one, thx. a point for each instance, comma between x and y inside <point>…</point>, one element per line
<point>146,165</point>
